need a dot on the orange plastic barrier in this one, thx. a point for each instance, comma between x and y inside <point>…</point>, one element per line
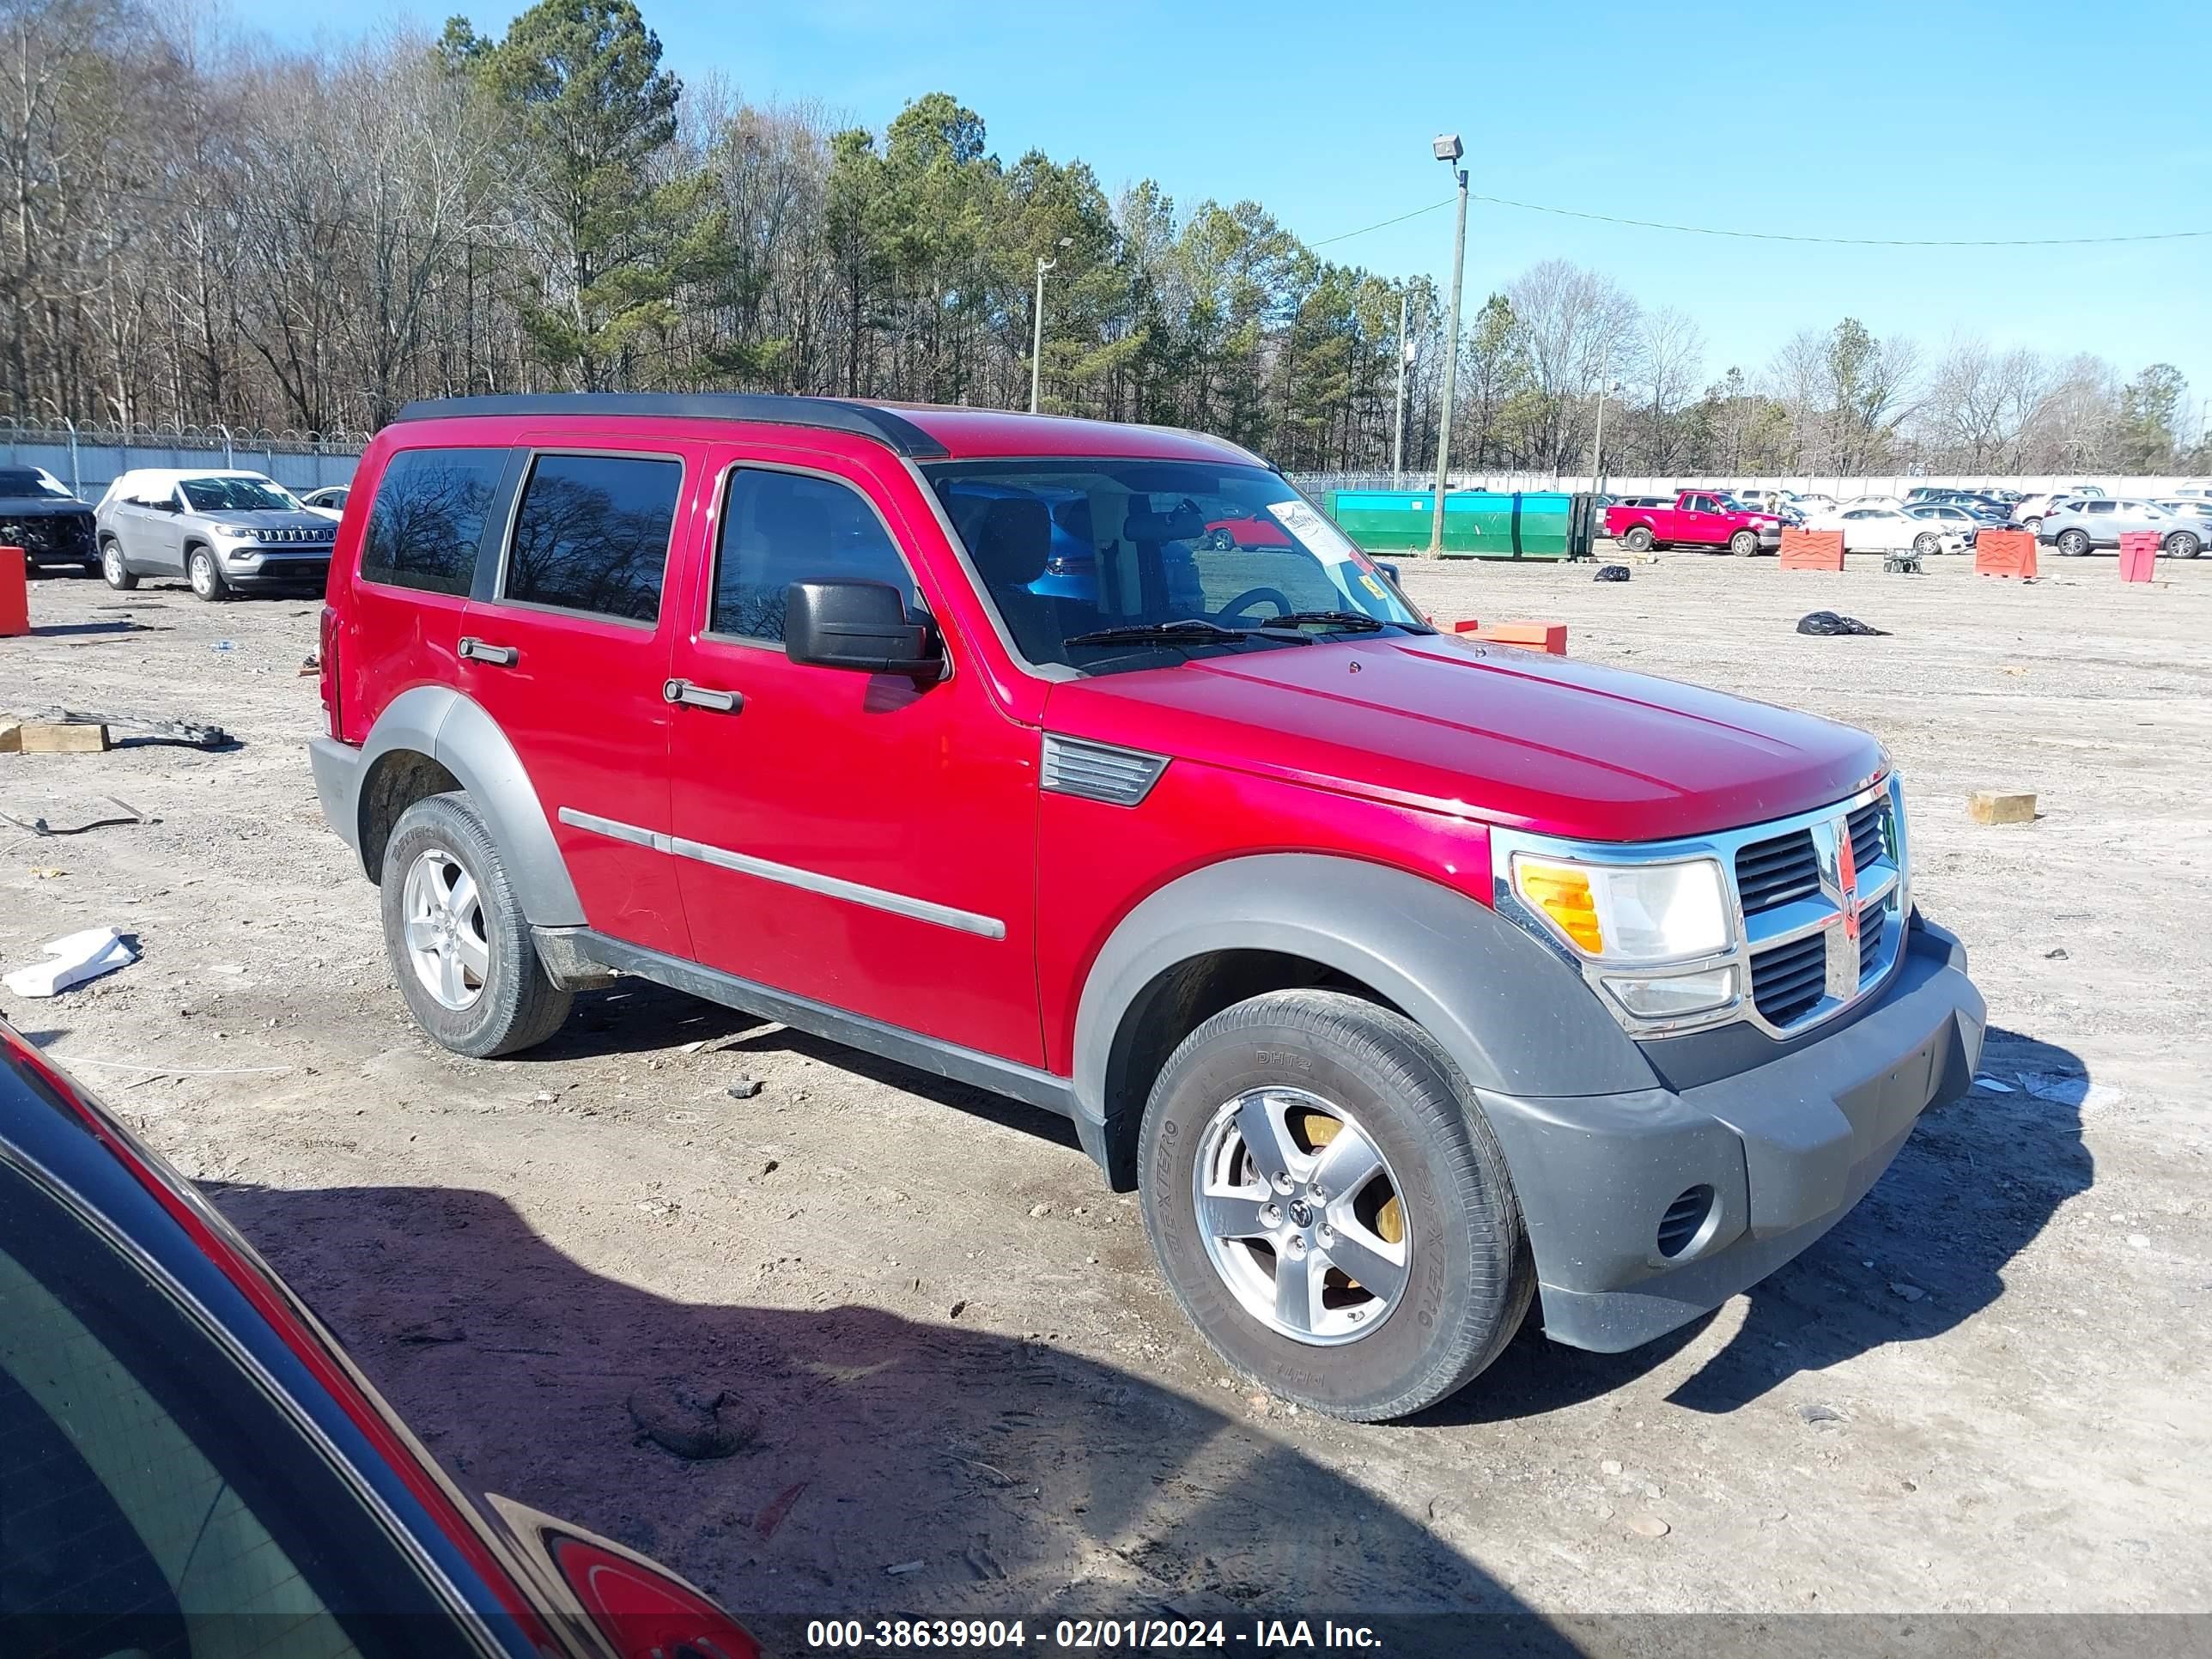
<point>2005,553</point>
<point>2138,554</point>
<point>15,591</point>
<point>1812,550</point>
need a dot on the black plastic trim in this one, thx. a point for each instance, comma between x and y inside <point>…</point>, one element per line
<point>897,434</point>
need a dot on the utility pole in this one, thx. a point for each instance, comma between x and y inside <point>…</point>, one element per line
<point>1448,149</point>
<point>1405,356</point>
<point>1597,446</point>
<point>1037,338</point>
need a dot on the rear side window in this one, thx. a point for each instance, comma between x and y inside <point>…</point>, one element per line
<point>428,519</point>
<point>592,534</point>
<point>779,528</point>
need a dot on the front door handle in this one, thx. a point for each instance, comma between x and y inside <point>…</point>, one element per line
<point>701,697</point>
<point>499,656</point>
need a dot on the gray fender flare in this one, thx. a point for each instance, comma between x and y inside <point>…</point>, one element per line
<point>1514,1018</point>
<point>455,732</point>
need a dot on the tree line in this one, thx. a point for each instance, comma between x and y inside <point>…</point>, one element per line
<point>201,228</point>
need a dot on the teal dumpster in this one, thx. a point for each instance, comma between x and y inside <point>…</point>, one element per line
<point>1478,523</point>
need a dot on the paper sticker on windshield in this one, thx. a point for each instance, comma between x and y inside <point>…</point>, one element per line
<point>1373,587</point>
<point>1318,534</point>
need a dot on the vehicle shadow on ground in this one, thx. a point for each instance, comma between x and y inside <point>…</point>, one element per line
<point>636,1017</point>
<point>1977,1181</point>
<point>1020,1480</point>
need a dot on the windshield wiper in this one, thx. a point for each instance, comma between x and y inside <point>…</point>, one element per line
<point>1194,630</point>
<point>1358,622</point>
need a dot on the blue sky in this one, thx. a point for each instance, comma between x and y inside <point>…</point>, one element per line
<point>1877,120</point>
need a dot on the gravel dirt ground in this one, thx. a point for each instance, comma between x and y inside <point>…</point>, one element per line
<point>954,1382</point>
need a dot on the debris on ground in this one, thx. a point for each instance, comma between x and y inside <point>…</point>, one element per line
<point>1819,1414</point>
<point>744,1087</point>
<point>1910,1292</point>
<point>1996,806</point>
<point>1610,573</point>
<point>1983,1080</point>
<point>772,1513</point>
<point>695,1426</point>
<point>47,872</point>
<point>39,827</point>
<point>73,959</point>
<point>310,665</point>
<point>189,734</point>
<point>1648,1526</point>
<point>903,1567</point>
<point>1828,623</point>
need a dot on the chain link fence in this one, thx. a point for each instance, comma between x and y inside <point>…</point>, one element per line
<point>88,458</point>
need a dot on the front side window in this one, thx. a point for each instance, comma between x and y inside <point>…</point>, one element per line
<point>1111,564</point>
<point>237,495</point>
<point>591,534</point>
<point>426,521</point>
<point>779,528</point>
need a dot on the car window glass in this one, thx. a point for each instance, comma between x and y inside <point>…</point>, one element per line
<point>427,521</point>
<point>227,495</point>
<point>144,1476</point>
<point>779,528</point>
<point>2099,506</point>
<point>592,533</point>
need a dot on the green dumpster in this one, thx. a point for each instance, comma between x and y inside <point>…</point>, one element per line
<point>1479,524</point>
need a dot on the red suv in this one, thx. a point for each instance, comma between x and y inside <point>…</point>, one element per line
<point>1405,978</point>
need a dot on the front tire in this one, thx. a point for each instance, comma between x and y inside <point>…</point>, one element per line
<point>205,576</point>
<point>1743,543</point>
<point>2073,543</point>
<point>1330,1211</point>
<point>116,573</point>
<point>457,938</point>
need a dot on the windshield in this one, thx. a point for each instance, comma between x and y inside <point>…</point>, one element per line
<point>1072,549</point>
<point>21,482</point>
<point>237,495</point>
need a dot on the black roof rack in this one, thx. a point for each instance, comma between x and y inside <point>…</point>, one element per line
<point>894,431</point>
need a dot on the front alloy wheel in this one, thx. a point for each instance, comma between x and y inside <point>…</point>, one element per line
<point>206,580</point>
<point>2073,543</point>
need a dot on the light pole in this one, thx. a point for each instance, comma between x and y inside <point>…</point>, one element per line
<point>1404,358</point>
<point>1605,383</point>
<point>1448,149</point>
<point>1037,338</point>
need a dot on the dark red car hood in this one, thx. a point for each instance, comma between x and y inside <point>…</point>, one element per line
<point>1492,733</point>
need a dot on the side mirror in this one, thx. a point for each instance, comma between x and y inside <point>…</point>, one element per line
<point>861,626</point>
<point>1389,570</point>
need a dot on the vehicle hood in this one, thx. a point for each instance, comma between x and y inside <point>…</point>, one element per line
<point>267,518</point>
<point>41,506</point>
<point>1492,733</point>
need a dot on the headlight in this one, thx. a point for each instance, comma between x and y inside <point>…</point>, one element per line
<point>237,534</point>
<point>1629,913</point>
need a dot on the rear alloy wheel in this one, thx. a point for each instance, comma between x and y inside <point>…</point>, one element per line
<point>206,577</point>
<point>1927,543</point>
<point>2073,543</point>
<point>458,941</point>
<point>117,575</point>
<point>1638,540</point>
<point>2183,544</point>
<point>1332,1215</point>
<point>1744,543</point>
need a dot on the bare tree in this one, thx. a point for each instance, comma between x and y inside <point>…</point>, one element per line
<point>1575,327</point>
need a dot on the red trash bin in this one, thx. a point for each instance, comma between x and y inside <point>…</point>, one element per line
<point>2138,554</point>
<point>15,591</point>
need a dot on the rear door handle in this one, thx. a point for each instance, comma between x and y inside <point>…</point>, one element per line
<point>701,697</point>
<point>499,656</point>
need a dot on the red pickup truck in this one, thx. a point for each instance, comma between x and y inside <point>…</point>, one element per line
<point>1696,518</point>
<point>1404,978</point>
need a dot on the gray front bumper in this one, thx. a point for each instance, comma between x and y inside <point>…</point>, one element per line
<point>1786,1148</point>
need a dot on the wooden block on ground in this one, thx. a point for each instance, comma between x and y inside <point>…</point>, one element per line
<point>62,738</point>
<point>1549,637</point>
<point>11,736</point>
<point>1993,806</point>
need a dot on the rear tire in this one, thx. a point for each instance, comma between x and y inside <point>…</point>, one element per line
<point>1464,1277</point>
<point>457,938</point>
<point>1928,543</point>
<point>206,576</point>
<point>1638,540</point>
<point>117,575</point>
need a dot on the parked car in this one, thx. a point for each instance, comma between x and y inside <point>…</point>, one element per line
<point>1890,530</point>
<point>189,1453</point>
<point>329,500</point>
<point>223,531</point>
<point>1365,955</point>
<point>1945,516</point>
<point>2029,511</point>
<point>42,515</point>
<point>1694,518</point>
<point>2084,526</point>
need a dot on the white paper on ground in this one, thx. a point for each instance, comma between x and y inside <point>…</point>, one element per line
<point>71,961</point>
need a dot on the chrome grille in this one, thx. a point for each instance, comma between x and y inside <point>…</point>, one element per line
<point>1868,842</point>
<point>1786,982</point>
<point>1772,872</point>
